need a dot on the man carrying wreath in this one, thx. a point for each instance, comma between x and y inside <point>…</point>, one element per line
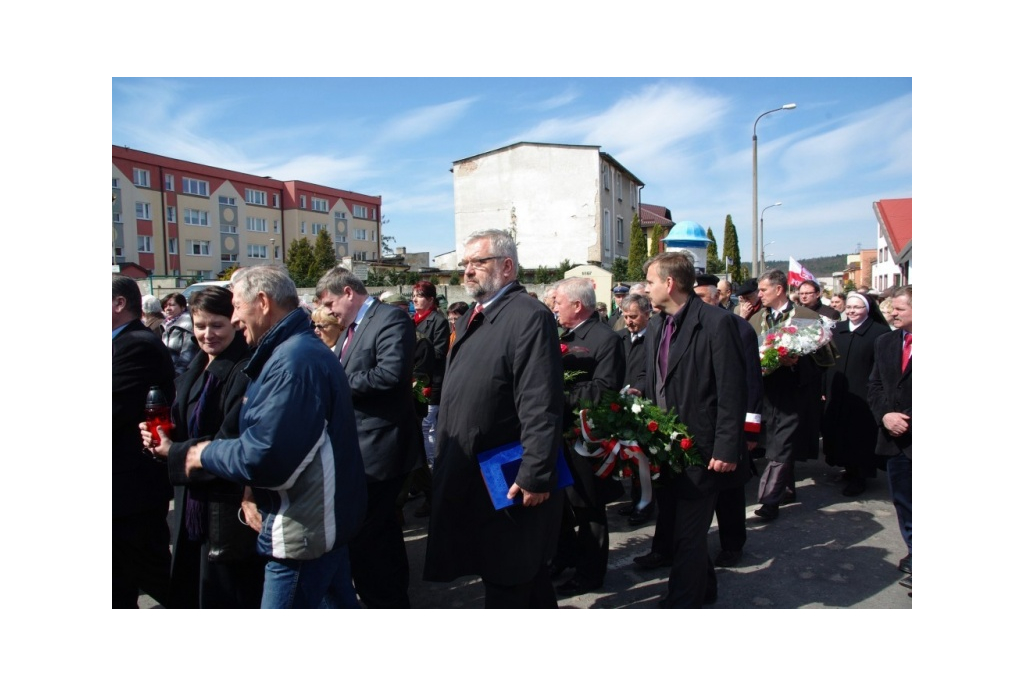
<point>695,366</point>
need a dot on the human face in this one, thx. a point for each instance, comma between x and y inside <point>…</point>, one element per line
<point>771,295</point>
<point>420,302</point>
<point>569,312</point>
<point>252,318</point>
<point>724,290</point>
<point>327,331</point>
<point>706,293</point>
<point>343,306</point>
<point>635,319</point>
<point>485,274</point>
<point>807,295</point>
<point>171,309</point>
<point>902,313</point>
<point>838,303</point>
<point>658,289</point>
<point>856,312</point>
<point>213,332</point>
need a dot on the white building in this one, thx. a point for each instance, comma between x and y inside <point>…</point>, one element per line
<point>561,202</point>
<point>895,247</point>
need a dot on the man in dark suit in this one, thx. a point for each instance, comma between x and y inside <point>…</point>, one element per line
<point>503,385</point>
<point>141,490</point>
<point>378,361</point>
<point>695,366</point>
<point>636,312</point>
<point>889,394</point>
<point>809,295</point>
<point>594,350</point>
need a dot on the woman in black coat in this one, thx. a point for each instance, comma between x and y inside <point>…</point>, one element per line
<point>214,563</point>
<point>848,427</point>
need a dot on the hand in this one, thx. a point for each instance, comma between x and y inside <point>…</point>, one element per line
<point>193,460</point>
<point>789,360</point>
<point>249,510</point>
<point>751,445</point>
<point>161,450</point>
<point>720,466</point>
<point>896,423</point>
<point>530,499</point>
<point>634,391</point>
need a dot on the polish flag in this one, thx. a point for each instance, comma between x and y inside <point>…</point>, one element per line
<point>798,274</point>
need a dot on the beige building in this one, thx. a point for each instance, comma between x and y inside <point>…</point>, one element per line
<point>180,218</point>
<point>561,201</point>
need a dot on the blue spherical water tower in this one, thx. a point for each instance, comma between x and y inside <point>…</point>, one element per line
<point>691,238</point>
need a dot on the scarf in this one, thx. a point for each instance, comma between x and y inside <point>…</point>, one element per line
<point>419,316</point>
<point>196,510</point>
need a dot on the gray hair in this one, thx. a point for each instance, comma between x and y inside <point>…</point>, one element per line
<point>502,244</point>
<point>774,277</point>
<point>151,305</point>
<point>579,290</point>
<point>274,281</point>
<point>337,279</point>
<point>640,301</point>
<point>638,289</point>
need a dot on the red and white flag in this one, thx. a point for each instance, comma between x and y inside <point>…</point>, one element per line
<point>798,274</point>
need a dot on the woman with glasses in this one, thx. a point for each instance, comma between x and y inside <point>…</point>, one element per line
<point>328,329</point>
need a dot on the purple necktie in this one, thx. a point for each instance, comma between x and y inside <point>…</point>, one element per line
<point>666,340</point>
<point>348,339</point>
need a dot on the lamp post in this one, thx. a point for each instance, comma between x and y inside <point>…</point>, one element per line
<point>761,267</point>
<point>753,220</point>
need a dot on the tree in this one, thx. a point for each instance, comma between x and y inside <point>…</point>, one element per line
<point>657,235</point>
<point>324,258</point>
<point>562,268</point>
<point>637,252</point>
<point>715,265</point>
<point>299,263</point>
<point>619,268</point>
<point>454,280</point>
<point>386,241</point>
<point>542,275</point>
<point>731,251</point>
<point>374,277</point>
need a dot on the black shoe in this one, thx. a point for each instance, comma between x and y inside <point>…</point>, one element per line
<point>905,582</point>
<point>727,558</point>
<point>769,512</point>
<point>653,560</point>
<point>574,586</point>
<point>789,497</point>
<point>904,565</point>
<point>627,510</point>
<point>855,487</point>
<point>641,516</point>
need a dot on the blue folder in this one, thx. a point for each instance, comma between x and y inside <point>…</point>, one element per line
<point>500,466</point>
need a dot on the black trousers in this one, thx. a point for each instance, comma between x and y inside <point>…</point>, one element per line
<point>141,546</point>
<point>731,511</point>
<point>533,594</point>
<point>380,567</point>
<point>692,572</point>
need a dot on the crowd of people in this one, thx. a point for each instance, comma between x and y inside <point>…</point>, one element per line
<point>297,437</point>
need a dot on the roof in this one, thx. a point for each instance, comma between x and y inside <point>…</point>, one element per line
<point>523,143</point>
<point>896,217</point>
<point>655,214</point>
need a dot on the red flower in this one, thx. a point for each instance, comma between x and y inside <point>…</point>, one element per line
<point>655,468</point>
<point>782,351</point>
<point>627,472</point>
<point>576,430</point>
<point>426,391</point>
<point>614,407</point>
<point>564,348</point>
<point>686,443</point>
<point>652,426</point>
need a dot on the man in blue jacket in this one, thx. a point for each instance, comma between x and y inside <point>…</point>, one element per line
<point>297,447</point>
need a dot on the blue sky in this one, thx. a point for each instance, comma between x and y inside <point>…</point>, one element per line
<point>847,144</point>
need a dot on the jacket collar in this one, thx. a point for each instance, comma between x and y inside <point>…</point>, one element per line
<point>293,324</point>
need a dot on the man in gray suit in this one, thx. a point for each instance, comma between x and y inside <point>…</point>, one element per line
<point>377,352</point>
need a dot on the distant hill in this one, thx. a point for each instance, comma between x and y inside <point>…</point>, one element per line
<point>819,266</point>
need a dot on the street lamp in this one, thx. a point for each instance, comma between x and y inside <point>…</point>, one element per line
<point>753,220</point>
<point>761,268</point>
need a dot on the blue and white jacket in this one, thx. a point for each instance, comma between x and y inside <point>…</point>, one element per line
<point>297,445</point>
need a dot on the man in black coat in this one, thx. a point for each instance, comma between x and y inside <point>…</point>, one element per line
<point>378,361</point>
<point>809,294</point>
<point>889,394</point>
<point>503,385</point>
<point>695,366</point>
<point>141,490</point>
<point>593,349</point>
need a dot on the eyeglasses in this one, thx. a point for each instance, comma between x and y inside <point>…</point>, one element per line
<point>477,263</point>
<point>323,326</point>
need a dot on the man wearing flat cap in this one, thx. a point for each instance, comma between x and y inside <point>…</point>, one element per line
<point>750,303</point>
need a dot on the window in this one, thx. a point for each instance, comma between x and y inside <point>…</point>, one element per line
<point>319,204</point>
<point>255,224</point>
<point>302,228</point>
<point>605,177</point>
<point>227,228</point>
<point>197,217</point>
<point>142,210</point>
<point>319,227</point>
<point>358,211</point>
<point>257,251</point>
<point>632,195</point>
<point>277,251</point>
<point>140,177</point>
<point>229,256</point>
<point>172,215</point>
<point>337,215</point>
<point>225,200</point>
<point>117,217</point>
<point>373,235</point>
<point>145,243</point>
<point>199,248</point>
<point>255,197</point>
<point>344,237</point>
<point>373,213</point>
<point>618,185</point>
<point>360,234</point>
<point>169,183</point>
<point>119,252</point>
<point>114,183</point>
<point>277,226</point>
<point>302,201</point>
<point>194,187</point>
<point>172,246</point>
<point>619,237</point>
<point>277,200</point>
<point>606,232</point>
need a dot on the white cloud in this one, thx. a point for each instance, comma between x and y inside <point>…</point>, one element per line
<point>423,121</point>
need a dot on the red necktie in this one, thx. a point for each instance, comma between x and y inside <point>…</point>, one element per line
<point>906,350</point>
<point>348,339</point>
<point>479,309</point>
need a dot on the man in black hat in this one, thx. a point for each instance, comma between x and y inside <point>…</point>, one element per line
<point>750,303</point>
<point>706,288</point>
